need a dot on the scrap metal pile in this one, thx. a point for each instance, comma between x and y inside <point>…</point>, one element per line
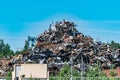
<point>6,64</point>
<point>62,44</point>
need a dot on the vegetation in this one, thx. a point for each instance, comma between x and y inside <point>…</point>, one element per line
<point>9,75</point>
<point>112,72</point>
<point>5,50</point>
<point>95,72</point>
<point>26,47</point>
<point>66,72</point>
<point>114,45</point>
<point>24,50</point>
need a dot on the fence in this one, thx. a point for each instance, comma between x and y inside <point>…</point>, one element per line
<point>84,78</point>
<point>4,78</point>
<point>74,78</point>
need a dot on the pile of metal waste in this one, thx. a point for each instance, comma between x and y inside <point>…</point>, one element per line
<point>6,64</point>
<point>63,44</point>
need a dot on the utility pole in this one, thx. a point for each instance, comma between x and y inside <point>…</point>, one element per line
<point>71,60</point>
<point>82,66</point>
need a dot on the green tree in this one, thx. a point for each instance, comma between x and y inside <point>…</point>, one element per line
<point>18,52</point>
<point>1,55</point>
<point>66,72</point>
<point>114,45</point>
<point>95,71</point>
<point>26,46</point>
<point>5,49</point>
<point>1,45</point>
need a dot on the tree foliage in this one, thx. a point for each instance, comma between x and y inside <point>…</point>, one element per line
<point>114,45</point>
<point>66,72</point>
<point>5,50</point>
<point>95,72</point>
<point>112,72</point>
<point>26,47</point>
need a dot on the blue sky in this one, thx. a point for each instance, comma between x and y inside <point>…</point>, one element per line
<point>19,18</point>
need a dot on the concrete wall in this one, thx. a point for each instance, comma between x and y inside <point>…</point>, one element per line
<point>33,71</point>
<point>13,73</point>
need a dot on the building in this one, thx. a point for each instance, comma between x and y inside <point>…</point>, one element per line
<point>27,71</point>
